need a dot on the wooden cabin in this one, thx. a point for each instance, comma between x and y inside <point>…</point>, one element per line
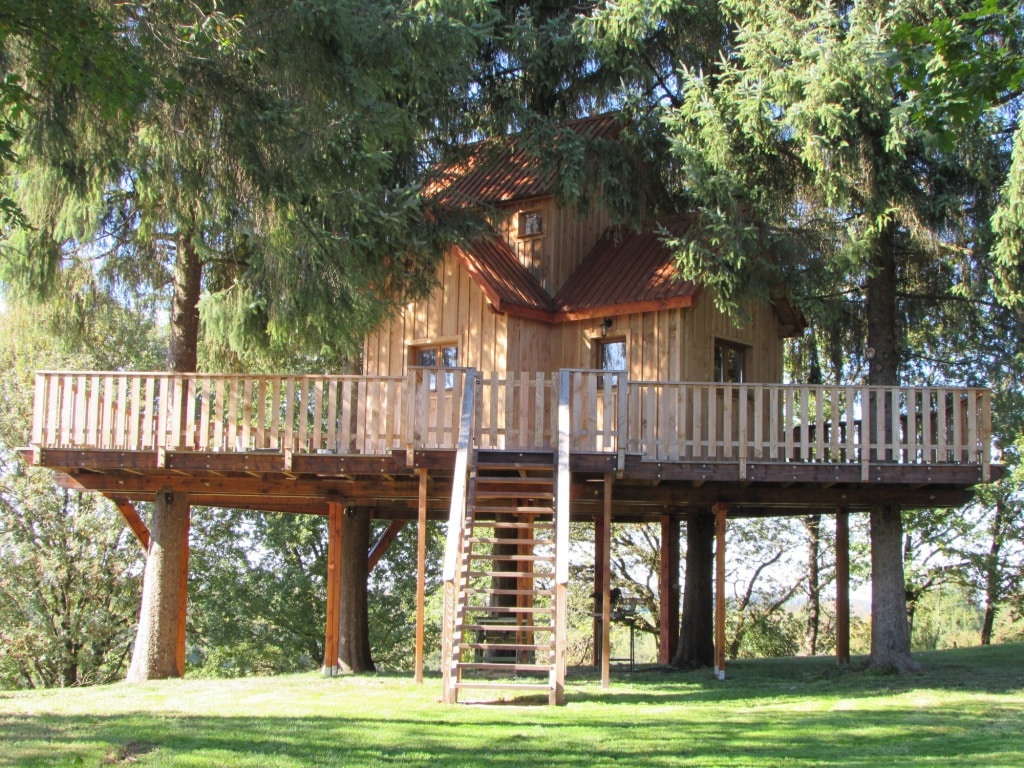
<point>562,369</point>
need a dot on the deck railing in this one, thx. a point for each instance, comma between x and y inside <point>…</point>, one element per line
<point>352,415</point>
<point>376,415</point>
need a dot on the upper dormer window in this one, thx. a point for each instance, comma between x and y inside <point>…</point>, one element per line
<point>531,224</point>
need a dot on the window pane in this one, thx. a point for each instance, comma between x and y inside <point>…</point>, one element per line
<point>613,356</point>
<point>450,357</point>
<point>427,356</point>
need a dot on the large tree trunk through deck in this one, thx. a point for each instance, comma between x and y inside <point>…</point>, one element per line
<point>154,656</point>
<point>696,630</point>
<point>890,633</point>
<point>353,612</point>
<point>183,350</point>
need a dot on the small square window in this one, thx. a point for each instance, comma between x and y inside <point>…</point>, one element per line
<point>730,361</point>
<point>437,356</point>
<point>531,224</point>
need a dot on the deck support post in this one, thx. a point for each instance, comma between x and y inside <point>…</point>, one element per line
<point>606,582</point>
<point>600,586</point>
<point>421,573</point>
<point>179,648</point>
<point>159,650</point>
<point>842,586</point>
<point>721,510</point>
<point>668,589</point>
<point>336,510</point>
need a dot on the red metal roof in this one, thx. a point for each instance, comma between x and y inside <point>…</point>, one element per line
<point>506,283</point>
<point>500,171</point>
<point>624,273</point>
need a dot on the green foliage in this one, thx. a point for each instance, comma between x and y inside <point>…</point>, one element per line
<point>69,585</point>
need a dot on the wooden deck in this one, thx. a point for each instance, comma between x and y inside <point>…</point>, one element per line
<point>296,442</point>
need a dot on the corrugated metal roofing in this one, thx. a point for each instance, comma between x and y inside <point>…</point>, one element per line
<point>623,273</point>
<point>500,171</point>
<point>506,283</point>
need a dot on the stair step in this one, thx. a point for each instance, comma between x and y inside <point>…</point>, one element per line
<point>506,609</point>
<point>512,558</point>
<point>515,459</point>
<point>507,646</point>
<point>522,509</point>
<point>497,666</point>
<point>506,628</point>
<point>510,574</point>
<point>494,591</point>
<point>507,524</point>
<point>495,540</point>
<point>516,481</point>
<point>518,494</point>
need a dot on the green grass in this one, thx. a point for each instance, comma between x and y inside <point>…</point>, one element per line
<point>966,709</point>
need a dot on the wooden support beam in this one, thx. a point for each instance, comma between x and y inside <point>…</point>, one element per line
<point>179,651</point>
<point>668,589</point>
<point>842,586</point>
<point>606,581</point>
<point>331,665</point>
<point>384,542</point>
<point>721,512</point>
<point>421,574</point>
<point>599,585</point>
<point>131,516</point>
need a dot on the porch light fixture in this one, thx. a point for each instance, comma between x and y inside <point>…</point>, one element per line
<point>605,326</point>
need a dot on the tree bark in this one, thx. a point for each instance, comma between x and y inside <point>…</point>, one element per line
<point>155,654</point>
<point>183,350</point>
<point>812,523</point>
<point>890,631</point>
<point>696,647</point>
<point>353,612</point>
<point>992,585</point>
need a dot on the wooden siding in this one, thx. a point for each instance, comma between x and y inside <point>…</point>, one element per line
<point>457,310</point>
<point>567,238</point>
<point>670,345</point>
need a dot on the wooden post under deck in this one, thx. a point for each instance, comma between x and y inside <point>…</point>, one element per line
<point>421,573</point>
<point>335,511</point>
<point>668,589</point>
<point>842,586</point>
<point>606,581</point>
<point>721,511</point>
<point>600,586</point>
<point>179,654</point>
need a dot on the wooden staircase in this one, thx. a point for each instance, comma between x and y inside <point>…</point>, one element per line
<point>504,613</point>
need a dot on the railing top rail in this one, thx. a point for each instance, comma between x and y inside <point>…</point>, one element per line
<point>201,375</point>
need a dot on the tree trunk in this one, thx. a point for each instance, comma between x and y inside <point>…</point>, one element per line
<point>353,612</point>
<point>890,631</point>
<point>183,350</point>
<point>696,647</point>
<point>155,654</point>
<point>992,586</point>
<point>813,525</point>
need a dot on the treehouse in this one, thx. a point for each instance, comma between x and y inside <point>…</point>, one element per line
<point>561,370</point>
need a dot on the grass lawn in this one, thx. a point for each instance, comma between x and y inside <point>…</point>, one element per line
<point>966,709</point>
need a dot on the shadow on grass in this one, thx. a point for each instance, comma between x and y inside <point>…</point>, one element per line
<point>489,739</point>
<point>992,669</point>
